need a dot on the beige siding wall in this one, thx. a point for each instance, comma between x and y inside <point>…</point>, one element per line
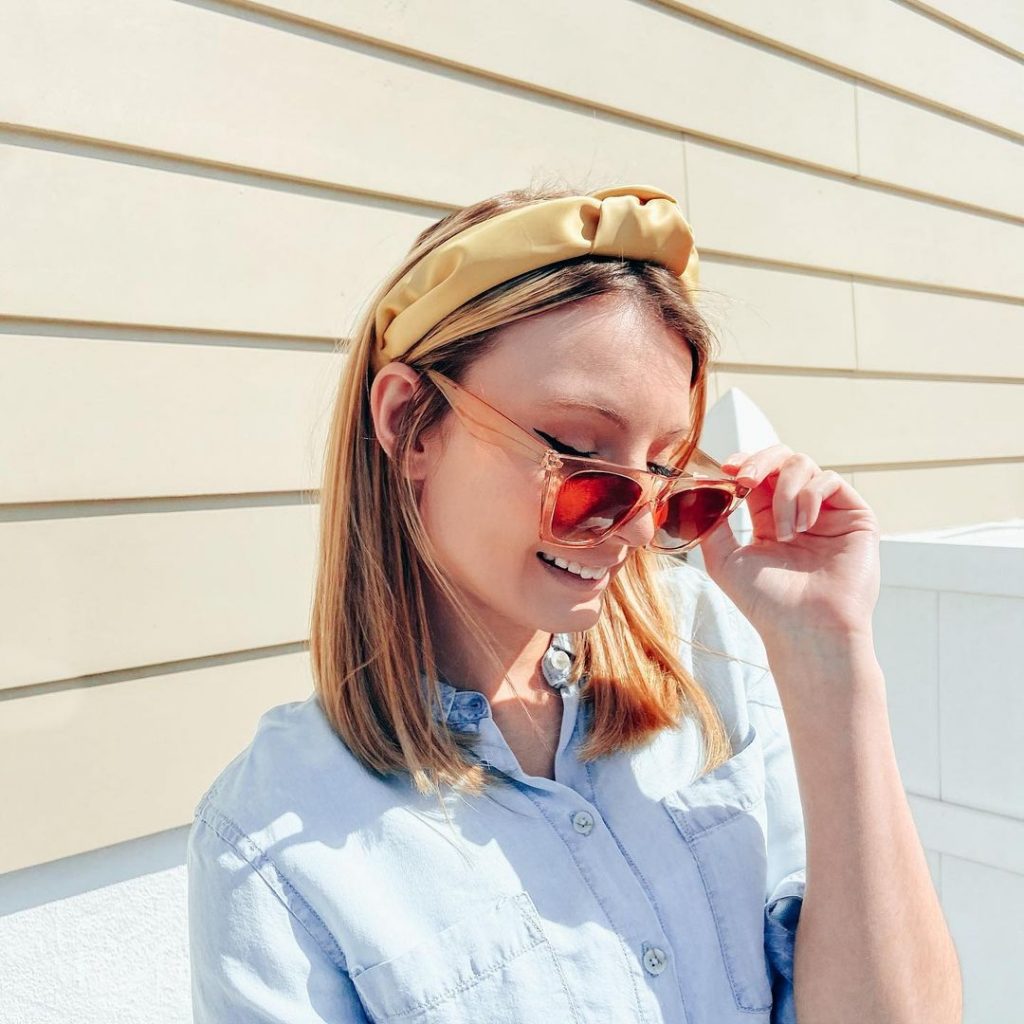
<point>198,198</point>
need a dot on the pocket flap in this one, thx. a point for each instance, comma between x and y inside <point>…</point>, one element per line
<point>717,796</point>
<point>454,960</point>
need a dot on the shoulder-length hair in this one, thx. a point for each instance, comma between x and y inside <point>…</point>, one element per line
<point>370,644</point>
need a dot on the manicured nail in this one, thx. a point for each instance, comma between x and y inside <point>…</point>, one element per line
<point>801,523</point>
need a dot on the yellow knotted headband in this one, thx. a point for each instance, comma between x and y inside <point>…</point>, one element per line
<point>631,222</point>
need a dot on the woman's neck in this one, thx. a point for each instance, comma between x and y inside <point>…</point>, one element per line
<point>465,663</point>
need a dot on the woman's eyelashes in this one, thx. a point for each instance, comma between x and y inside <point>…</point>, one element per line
<point>565,449</point>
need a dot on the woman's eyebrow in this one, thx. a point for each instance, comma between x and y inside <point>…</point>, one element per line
<point>610,414</point>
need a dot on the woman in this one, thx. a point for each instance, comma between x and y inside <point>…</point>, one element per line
<point>546,773</point>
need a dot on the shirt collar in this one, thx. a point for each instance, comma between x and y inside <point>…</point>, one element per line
<point>462,709</point>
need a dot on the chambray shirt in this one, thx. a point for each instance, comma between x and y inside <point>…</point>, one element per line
<point>630,890</point>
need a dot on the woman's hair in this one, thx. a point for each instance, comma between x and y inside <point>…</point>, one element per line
<point>370,645</point>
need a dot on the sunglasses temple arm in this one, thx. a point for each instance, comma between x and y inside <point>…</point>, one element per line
<point>509,437</point>
<point>700,461</point>
<point>487,423</point>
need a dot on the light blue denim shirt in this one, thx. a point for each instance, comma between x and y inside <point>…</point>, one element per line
<point>628,890</point>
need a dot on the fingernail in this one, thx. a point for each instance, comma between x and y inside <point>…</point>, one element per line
<point>801,523</point>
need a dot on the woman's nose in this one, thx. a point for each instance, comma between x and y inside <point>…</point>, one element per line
<point>640,530</point>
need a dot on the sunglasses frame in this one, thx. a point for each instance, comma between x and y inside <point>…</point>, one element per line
<point>492,426</point>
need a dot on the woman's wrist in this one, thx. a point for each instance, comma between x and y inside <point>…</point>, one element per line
<point>842,663</point>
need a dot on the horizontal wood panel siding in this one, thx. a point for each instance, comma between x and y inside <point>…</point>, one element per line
<point>322,108</point>
<point>156,419</point>
<point>917,331</point>
<point>937,153</point>
<point>109,592</point>
<point>741,109</point>
<point>280,124</point>
<point>212,254</point>
<point>142,244</point>
<point>756,207</point>
<point>772,316</point>
<point>931,498</point>
<point>765,315</point>
<point>100,765</point>
<point>999,21</point>
<point>850,420</point>
<point>202,198</point>
<point>683,72</point>
<point>890,43</point>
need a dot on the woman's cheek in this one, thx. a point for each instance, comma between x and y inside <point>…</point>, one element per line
<point>473,523</point>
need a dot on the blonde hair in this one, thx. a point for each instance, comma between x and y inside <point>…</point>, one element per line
<point>370,644</point>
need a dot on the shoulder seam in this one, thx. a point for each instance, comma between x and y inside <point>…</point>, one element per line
<point>275,879</point>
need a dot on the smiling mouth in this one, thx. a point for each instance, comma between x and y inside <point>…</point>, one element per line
<point>596,575</point>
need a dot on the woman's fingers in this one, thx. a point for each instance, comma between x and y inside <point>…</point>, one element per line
<point>788,493</point>
<point>762,464</point>
<point>795,473</point>
<point>736,459</point>
<point>824,484</point>
<point>798,493</point>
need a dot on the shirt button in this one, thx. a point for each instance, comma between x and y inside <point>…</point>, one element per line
<point>583,822</point>
<point>655,960</point>
<point>556,665</point>
<point>560,661</point>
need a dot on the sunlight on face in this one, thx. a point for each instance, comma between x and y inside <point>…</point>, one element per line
<point>481,504</point>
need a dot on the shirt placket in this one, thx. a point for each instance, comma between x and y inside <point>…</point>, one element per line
<point>563,802</point>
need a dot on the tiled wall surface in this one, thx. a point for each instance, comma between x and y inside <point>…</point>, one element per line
<point>948,627</point>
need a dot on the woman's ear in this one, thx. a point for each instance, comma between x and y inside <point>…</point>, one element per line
<point>390,393</point>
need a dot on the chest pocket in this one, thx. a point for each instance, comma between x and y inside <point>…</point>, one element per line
<point>493,965</point>
<point>722,817</point>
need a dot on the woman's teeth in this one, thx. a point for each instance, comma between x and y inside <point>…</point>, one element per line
<point>585,572</point>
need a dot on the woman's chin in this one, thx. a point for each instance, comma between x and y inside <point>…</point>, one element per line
<point>574,617</point>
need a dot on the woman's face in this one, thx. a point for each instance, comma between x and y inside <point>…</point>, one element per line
<point>480,504</point>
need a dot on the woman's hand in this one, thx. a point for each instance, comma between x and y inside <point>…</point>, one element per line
<point>789,580</point>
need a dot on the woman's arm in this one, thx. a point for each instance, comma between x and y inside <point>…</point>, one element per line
<point>872,943</point>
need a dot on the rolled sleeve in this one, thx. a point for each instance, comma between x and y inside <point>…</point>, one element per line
<point>257,951</point>
<point>781,916</point>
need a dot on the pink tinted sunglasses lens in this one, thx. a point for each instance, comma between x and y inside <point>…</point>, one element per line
<point>688,515</point>
<point>590,504</point>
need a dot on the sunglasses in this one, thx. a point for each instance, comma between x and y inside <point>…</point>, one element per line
<point>586,499</point>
